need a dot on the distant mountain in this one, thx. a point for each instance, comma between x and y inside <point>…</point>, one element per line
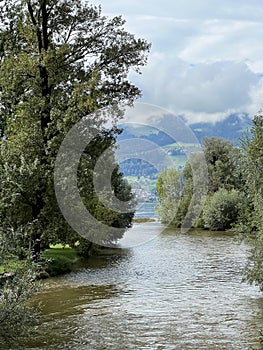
<point>146,133</point>
<point>231,128</point>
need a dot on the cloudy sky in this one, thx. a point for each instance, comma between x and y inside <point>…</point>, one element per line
<point>206,60</point>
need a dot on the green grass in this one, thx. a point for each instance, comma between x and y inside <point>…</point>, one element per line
<point>59,260</point>
<point>58,252</point>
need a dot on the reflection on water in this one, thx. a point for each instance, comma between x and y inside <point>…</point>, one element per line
<point>177,291</point>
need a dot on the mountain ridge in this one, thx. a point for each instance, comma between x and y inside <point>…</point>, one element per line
<point>231,128</point>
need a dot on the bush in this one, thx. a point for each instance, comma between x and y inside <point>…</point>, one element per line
<point>17,318</point>
<point>17,285</point>
<point>221,210</point>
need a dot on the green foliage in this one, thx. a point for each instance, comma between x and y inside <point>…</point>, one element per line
<point>186,197</point>
<point>96,201</point>
<point>221,209</point>
<point>59,260</point>
<point>253,172</point>
<point>59,62</point>
<point>195,188</point>
<point>16,317</point>
<point>223,172</point>
<point>189,186</point>
<point>221,158</point>
<point>254,265</point>
<point>168,187</point>
<point>252,220</point>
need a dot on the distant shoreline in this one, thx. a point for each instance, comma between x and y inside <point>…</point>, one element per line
<point>142,220</point>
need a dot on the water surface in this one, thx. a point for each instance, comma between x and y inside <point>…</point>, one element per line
<point>175,291</point>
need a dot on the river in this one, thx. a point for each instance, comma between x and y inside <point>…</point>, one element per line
<point>174,291</point>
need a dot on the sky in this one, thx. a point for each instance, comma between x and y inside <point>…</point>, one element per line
<point>206,59</point>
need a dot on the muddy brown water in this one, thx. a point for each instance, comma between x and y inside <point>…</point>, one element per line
<point>174,291</point>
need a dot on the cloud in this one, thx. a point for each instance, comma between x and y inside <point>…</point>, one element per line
<point>216,88</point>
<point>207,56</point>
<point>185,8</point>
<point>226,40</point>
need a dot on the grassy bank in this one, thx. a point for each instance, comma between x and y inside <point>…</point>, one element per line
<point>59,260</point>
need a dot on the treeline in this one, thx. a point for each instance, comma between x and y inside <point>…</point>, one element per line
<point>222,187</point>
<point>232,197</point>
<point>138,167</point>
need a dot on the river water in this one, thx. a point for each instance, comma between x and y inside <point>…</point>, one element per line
<point>146,210</point>
<point>174,291</point>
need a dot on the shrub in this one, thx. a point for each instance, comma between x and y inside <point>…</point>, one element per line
<point>17,318</point>
<point>221,210</point>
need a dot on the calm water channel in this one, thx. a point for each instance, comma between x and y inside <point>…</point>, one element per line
<point>175,291</point>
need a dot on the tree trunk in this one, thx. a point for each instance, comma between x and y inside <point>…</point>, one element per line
<point>40,23</point>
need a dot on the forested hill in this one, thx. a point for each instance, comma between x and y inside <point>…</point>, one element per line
<point>232,128</point>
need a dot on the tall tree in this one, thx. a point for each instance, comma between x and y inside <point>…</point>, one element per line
<point>222,172</point>
<point>169,188</point>
<point>60,60</point>
<point>220,157</point>
<point>193,188</point>
<point>252,218</point>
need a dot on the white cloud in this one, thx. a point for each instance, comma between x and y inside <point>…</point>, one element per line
<point>186,8</point>
<point>226,40</point>
<point>215,88</point>
<point>207,56</point>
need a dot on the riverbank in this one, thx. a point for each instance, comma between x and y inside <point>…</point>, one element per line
<point>59,260</point>
<point>143,220</point>
<point>55,261</point>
